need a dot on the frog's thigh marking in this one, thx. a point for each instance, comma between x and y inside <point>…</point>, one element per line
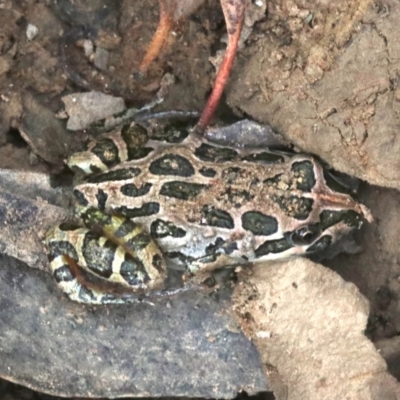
<point>109,261</point>
<point>68,283</point>
<point>125,255</point>
<point>141,263</point>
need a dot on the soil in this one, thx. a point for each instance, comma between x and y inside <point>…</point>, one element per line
<point>282,76</point>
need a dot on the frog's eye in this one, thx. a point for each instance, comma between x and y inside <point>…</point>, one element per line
<point>304,235</point>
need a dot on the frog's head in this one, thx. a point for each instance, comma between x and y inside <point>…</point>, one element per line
<point>333,225</point>
<point>316,215</point>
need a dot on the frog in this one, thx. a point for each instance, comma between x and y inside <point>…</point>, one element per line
<point>181,200</point>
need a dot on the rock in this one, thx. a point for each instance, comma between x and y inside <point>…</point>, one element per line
<point>308,325</point>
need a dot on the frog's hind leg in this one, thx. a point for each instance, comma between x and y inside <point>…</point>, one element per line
<point>71,249</point>
<point>64,260</point>
<point>66,276</point>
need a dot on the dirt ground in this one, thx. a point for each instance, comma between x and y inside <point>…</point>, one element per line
<point>323,75</point>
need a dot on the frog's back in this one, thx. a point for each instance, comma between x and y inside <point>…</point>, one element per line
<point>196,195</point>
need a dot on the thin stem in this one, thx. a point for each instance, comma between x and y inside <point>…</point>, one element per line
<point>234,16</point>
<point>163,29</point>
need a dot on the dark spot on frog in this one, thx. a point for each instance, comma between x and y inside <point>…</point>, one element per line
<point>85,294</point>
<point>230,248</point>
<point>143,211</point>
<point>207,172</point>
<point>181,190</point>
<point>304,172</point>
<point>99,258</point>
<point>61,247</point>
<point>206,152</point>
<point>294,206</point>
<point>173,133</point>
<point>68,226</point>
<point>183,258</point>
<point>213,247</point>
<point>131,190</point>
<point>237,197</point>
<point>80,197</point>
<point>95,219</point>
<point>136,153</point>
<point>107,152</point>
<point>101,197</point>
<point>161,229</point>
<point>138,242</point>
<point>63,274</point>
<point>331,217</point>
<point>135,137</point>
<point>93,168</point>
<point>117,175</point>
<point>133,271</point>
<point>172,164</point>
<point>259,224</point>
<point>125,228</point>
<point>215,217</point>
<point>135,243</point>
<point>232,174</point>
<point>209,282</point>
<point>264,158</point>
<point>272,246</point>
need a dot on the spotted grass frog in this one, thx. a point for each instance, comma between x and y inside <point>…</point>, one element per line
<point>180,199</point>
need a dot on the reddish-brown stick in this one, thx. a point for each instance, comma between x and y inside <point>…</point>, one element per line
<point>171,11</point>
<point>234,16</point>
<point>163,29</point>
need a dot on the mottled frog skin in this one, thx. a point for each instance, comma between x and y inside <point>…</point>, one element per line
<point>193,203</point>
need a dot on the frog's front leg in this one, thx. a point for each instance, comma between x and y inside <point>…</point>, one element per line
<point>113,249</point>
<point>201,269</point>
